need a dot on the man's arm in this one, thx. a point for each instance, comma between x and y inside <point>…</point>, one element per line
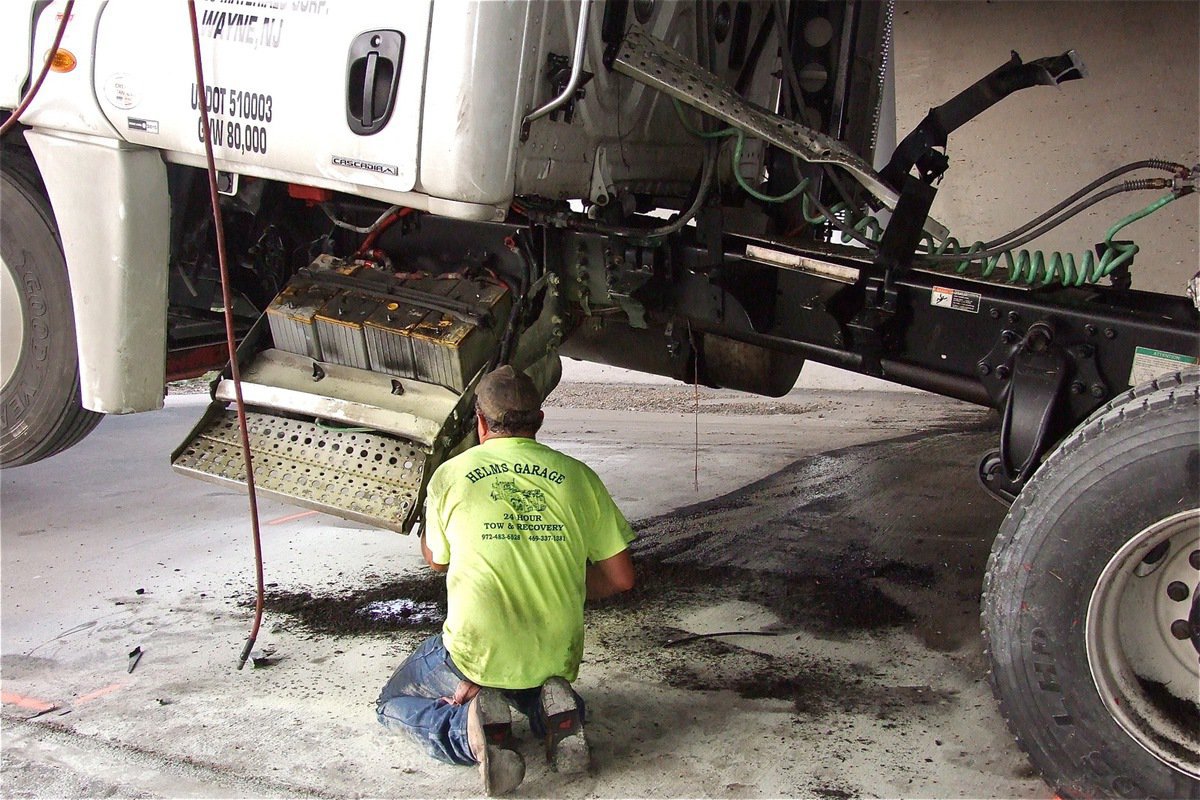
<point>610,576</point>
<point>425,551</point>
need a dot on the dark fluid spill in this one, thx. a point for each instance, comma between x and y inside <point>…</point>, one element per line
<point>415,603</point>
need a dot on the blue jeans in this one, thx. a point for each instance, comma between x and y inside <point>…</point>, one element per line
<point>413,702</point>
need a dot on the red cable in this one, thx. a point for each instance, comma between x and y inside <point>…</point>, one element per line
<point>383,226</point>
<point>33,90</point>
<point>230,339</point>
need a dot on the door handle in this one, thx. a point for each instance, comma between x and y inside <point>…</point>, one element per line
<point>372,78</point>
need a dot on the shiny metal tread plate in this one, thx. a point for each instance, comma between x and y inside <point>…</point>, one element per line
<point>369,477</point>
<point>653,62</point>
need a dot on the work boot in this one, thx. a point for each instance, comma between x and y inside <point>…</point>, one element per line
<point>489,732</point>
<point>566,744</point>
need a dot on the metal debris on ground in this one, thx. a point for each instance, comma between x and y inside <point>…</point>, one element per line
<point>44,711</point>
<point>264,658</point>
<point>135,655</point>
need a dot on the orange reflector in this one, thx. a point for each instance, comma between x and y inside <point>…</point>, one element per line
<point>63,61</point>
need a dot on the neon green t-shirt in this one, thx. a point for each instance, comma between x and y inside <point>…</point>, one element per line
<point>517,522</point>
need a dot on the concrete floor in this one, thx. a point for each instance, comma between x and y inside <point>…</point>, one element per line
<point>848,528</point>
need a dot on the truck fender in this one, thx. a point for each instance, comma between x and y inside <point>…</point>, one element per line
<point>111,204</point>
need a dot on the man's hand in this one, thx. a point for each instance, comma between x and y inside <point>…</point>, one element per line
<point>425,551</point>
<point>610,576</point>
<point>464,694</point>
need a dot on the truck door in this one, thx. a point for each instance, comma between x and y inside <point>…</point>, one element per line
<point>296,89</point>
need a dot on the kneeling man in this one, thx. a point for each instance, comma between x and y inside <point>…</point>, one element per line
<point>524,533</point>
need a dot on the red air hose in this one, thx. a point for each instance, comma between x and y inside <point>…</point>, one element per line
<point>37,84</point>
<point>230,339</point>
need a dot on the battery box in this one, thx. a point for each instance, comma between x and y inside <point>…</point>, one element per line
<point>439,329</point>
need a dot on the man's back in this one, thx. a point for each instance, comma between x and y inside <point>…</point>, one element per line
<point>517,522</point>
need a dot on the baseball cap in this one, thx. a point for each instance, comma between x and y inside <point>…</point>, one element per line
<point>505,390</point>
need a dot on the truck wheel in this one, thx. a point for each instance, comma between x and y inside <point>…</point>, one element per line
<point>1090,610</point>
<point>1189,376</point>
<point>40,411</point>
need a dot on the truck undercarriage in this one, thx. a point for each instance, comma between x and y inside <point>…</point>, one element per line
<point>364,325</point>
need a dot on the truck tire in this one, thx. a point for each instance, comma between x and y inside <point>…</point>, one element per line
<point>1090,615</point>
<point>1189,376</point>
<point>40,411</point>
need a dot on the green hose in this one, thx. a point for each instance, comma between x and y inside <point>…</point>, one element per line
<point>1036,267</point>
<point>866,225</point>
<point>1023,266</point>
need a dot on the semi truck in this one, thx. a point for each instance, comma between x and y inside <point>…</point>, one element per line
<point>411,194</point>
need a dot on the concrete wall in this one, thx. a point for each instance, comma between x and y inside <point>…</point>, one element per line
<point>1041,144</point>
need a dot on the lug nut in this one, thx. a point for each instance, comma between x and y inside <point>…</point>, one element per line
<point>1194,559</point>
<point>1097,391</point>
<point>1181,629</point>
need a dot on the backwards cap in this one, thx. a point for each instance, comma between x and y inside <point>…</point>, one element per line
<point>503,390</point>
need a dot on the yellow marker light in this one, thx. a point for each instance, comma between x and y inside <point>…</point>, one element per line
<point>63,61</point>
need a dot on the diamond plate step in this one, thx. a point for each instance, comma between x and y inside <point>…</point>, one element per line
<point>367,477</point>
<point>653,62</point>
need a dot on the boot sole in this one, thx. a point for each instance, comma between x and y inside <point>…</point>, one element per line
<point>566,743</point>
<point>502,770</point>
<point>501,767</point>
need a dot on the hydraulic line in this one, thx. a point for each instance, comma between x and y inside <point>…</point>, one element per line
<point>1153,163</point>
<point>791,79</point>
<point>1024,266</point>
<point>1038,268</point>
<point>793,103</point>
<point>984,258</point>
<point>520,245</point>
<point>866,231</point>
<point>231,342</point>
<point>37,84</point>
<point>981,249</point>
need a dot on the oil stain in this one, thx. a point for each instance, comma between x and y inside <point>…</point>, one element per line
<point>845,574</point>
<point>813,686</point>
<point>363,611</point>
